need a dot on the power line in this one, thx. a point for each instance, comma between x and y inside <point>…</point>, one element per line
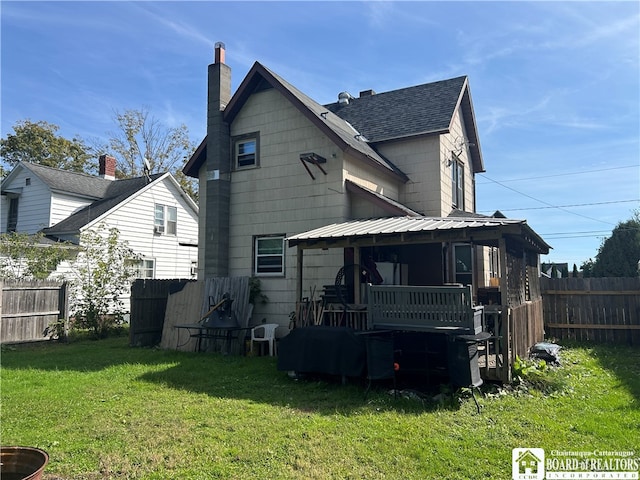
<point>564,174</point>
<point>565,206</point>
<point>565,233</point>
<point>546,203</point>
<point>588,233</point>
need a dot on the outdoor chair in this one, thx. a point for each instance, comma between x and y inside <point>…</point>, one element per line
<point>265,332</point>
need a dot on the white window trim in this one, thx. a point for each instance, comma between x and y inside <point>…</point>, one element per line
<point>281,273</point>
<point>139,265</point>
<point>163,229</point>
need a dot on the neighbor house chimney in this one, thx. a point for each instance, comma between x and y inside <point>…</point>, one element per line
<point>107,167</point>
<point>218,175</point>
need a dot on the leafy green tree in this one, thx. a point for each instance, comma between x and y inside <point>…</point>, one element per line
<point>618,256</point>
<point>139,136</point>
<point>587,268</point>
<point>102,273</point>
<point>25,257</point>
<point>38,142</point>
<point>574,272</point>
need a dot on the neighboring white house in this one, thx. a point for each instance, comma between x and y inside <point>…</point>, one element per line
<point>154,215</point>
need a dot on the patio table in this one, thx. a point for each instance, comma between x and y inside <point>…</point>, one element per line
<point>213,332</point>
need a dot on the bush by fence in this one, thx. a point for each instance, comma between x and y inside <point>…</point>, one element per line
<point>603,310</point>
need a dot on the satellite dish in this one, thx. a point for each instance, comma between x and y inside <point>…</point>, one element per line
<point>147,168</point>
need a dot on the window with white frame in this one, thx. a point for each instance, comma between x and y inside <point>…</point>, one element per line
<point>143,268</point>
<point>269,255</point>
<point>457,183</point>
<point>246,150</point>
<point>165,220</point>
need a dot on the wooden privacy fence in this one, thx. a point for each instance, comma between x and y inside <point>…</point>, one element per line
<point>27,308</point>
<point>148,306</point>
<point>603,310</point>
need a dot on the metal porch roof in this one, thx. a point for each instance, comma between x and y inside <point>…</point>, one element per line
<point>405,227</point>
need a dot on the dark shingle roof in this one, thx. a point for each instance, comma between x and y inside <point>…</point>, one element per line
<point>105,194</point>
<point>405,112</point>
<point>364,121</point>
<point>70,182</point>
<point>118,192</point>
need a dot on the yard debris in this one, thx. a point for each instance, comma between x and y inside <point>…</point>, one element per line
<point>409,394</point>
<point>549,352</point>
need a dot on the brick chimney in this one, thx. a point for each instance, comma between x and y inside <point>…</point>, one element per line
<point>107,167</point>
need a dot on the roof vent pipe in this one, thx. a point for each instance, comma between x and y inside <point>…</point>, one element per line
<point>344,98</point>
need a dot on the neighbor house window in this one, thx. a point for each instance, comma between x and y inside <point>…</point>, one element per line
<point>246,150</point>
<point>269,255</point>
<point>457,183</point>
<point>165,219</point>
<point>12,217</point>
<point>143,268</point>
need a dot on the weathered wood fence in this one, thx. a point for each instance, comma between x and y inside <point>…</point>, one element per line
<point>148,307</point>
<point>602,310</point>
<point>27,308</point>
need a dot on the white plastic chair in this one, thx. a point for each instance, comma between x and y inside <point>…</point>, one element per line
<point>265,332</point>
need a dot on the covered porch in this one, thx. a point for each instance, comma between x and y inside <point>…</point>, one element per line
<point>497,258</point>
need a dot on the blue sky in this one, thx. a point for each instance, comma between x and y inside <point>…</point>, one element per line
<point>555,85</point>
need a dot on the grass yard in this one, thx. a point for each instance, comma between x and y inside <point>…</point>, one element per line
<point>104,410</point>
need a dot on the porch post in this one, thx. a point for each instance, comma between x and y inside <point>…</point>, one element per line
<point>299,262</point>
<point>505,320</point>
<point>356,275</point>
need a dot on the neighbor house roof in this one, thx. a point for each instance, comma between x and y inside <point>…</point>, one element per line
<point>118,192</point>
<point>409,229</point>
<point>63,181</point>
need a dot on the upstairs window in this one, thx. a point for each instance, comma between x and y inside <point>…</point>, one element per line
<point>269,255</point>
<point>457,183</point>
<point>246,151</point>
<point>172,220</point>
<point>165,220</point>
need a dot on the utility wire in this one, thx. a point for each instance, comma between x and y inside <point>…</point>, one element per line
<point>546,203</point>
<point>565,206</point>
<point>563,174</point>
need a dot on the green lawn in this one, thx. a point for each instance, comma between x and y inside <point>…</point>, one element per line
<point>104,410</point>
